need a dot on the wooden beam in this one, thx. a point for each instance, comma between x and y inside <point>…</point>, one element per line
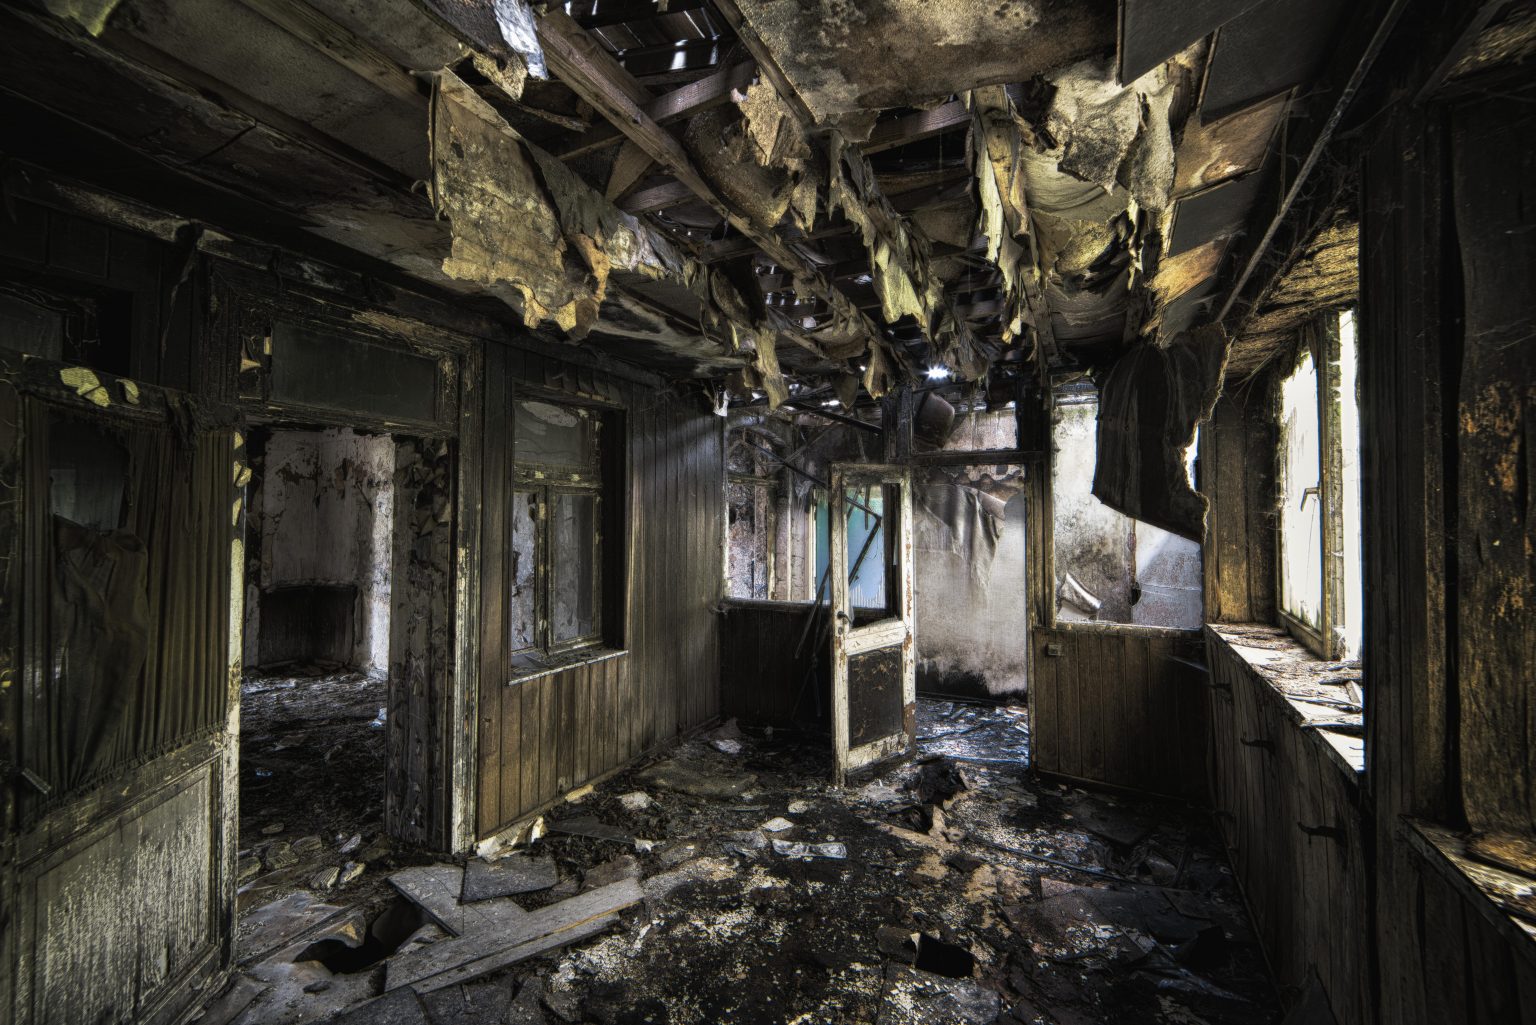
<point>679,103</point>
<point>631,163</point>
<point>592,73</point>
<point>310,26</point>
<point>602,13</point>
<point>765,62</point>
<point>924,124</point>
<point>658,197</point>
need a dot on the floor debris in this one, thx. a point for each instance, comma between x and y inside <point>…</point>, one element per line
<point>954,888</point>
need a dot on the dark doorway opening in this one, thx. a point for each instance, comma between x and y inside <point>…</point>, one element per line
<point>319,554</point>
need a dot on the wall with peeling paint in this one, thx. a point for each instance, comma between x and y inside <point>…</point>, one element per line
<point>970,625</point>
<point>325,515</point>
<point>1142,574</point>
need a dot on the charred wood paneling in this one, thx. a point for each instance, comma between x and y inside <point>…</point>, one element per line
<point>542,736</point>
<point>1125,707</point>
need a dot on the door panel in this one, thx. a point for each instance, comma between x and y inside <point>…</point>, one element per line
<point>118,851</point>
<point>874,669</point>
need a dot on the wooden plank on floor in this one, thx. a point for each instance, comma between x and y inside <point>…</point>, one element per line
<point>483,950</point>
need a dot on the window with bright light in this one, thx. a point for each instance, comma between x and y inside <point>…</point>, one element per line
<point>1301,503</point>
<point>1319,492</point>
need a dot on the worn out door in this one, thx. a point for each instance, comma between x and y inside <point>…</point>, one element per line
<point>118,516</point>
<point>874,669</point>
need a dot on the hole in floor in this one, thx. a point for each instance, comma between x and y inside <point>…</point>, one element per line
<point>388,930</point>
<point>941,958</point>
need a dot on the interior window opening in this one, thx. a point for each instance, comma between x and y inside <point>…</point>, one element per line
<point>556,569</point>
<point>319,579</point>
<point>1111,568</point>
<point>1318,493</point>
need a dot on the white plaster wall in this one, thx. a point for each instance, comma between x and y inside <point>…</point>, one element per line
<point>327,518</point>
<point>968,630</point>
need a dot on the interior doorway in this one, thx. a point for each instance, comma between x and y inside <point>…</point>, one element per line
<point>314,697</point>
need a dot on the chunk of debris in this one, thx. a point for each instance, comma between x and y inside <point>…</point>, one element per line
<point>592,828</point>
<point>939,781</point>
<point>306,846</point>
<point>517,873</point>
<point>611,871</point>
<point>834,851</point>
<point>279,855</point>
<point>777,825</point>
<point>698,780</point>
<point>897,942</point>
<point>746,842</point>
<point>350,871</point>
<point>325,878</point>
<point>635,800</point>
<point>916,997</point>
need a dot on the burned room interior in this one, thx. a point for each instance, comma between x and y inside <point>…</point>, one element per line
<point>771,512</point>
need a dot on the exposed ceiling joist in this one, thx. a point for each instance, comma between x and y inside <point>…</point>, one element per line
<point>305,23</point>
<point>675,105</point>
<point>593,73</point>
<point>924,124</point>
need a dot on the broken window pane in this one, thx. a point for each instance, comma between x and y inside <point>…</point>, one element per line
<point>1111,568</point>
<point>551,435</point>
<point>523,606</point>
<point>1301,505</point>
<point>573,558</point>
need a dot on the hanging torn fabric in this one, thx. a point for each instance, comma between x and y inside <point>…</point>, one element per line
<point>1149,405</point>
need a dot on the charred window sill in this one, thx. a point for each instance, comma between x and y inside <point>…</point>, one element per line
<point>1501,895</point>
<point>526,667</point>
<point>1316,693</point>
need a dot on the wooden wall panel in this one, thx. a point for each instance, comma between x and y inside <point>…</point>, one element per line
<point>1114,706</point>
<point>541,737</point>
<point>1237,475</point>
<point>1293,821</point>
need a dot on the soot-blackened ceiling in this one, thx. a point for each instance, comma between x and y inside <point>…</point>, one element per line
<point>783,197</point>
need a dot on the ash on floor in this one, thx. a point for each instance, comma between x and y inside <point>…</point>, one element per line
<point>311,785</point>
<point>944,890</point>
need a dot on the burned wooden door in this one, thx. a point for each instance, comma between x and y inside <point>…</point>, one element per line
<point>874,670</point>
<point>118,527</point>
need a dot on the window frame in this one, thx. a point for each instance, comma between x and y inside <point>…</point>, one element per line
<point>597,479</point>
<point>1322,339</point>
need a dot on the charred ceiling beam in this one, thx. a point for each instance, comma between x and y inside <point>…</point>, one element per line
<point>765,60</point>
<point>924,124</point>
<point>325,36</point>
<point>1340,85</point>
<point>673,106</point>
<point>593,73</point>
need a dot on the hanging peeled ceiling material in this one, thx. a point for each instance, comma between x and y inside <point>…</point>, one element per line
<point>1149,405</point>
